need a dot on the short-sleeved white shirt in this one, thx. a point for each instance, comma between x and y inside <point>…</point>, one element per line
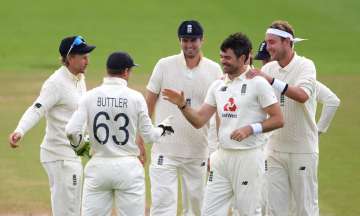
<point>299,134</point>
<point>172,72</point>
<point>239,103</point>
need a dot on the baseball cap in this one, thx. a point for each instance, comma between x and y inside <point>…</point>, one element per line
<point>190,28</point>
<point>120,61</point>
<point>74,45</point>
<point>262,53</point>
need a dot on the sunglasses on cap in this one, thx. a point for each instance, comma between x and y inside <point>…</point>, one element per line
<point>77,41</point>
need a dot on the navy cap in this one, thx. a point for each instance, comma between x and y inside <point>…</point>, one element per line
<point>120,61</point>
<point>262,53</point>
<point>74,45</point>
<point>190,28</point>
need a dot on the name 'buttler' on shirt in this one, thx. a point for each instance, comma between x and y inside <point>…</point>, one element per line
<point>112,102</point>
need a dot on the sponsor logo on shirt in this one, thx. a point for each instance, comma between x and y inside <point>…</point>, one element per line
<point>230,107</point>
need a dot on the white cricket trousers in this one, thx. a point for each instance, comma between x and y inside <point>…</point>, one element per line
<point>164,171</point>
<point>292,176</point>
<point>235,176</point>
<point>119,179</point>
<point>65,179</point>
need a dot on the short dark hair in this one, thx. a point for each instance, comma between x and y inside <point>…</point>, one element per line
<point>239,43</point>
<point>284,26</point>
<point>115,71</point>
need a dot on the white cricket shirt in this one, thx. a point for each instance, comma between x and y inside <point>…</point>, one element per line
<point>58,99</point>
<point>240,102</point>
<point>113,113</point>
<point>172,72</point>
<point>299,134</point>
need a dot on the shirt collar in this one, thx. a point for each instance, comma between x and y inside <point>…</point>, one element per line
<point>183,61</point>
<point>242,76</point>
<point>291,64</point>
<point>114,81</point>
<point>73,77</point>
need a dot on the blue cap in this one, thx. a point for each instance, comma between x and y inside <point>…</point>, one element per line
<point>120,61</point>
<point>262,53</point>
<point>190,28</point>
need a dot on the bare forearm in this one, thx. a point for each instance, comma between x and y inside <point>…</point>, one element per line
<point>193,117</point>
<point>297,94</point>
<point>272,123</point>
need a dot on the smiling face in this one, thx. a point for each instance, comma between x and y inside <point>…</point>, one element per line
<point>230,63</point>
<point>191,46</point>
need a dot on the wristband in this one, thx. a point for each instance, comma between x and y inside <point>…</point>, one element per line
<point>280,85</point>
<point>257,128</point>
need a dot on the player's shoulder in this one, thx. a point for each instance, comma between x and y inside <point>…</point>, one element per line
<point>210,63</point>
<point>169,59</point>
<point>304,60</point>
<point>270,66</point>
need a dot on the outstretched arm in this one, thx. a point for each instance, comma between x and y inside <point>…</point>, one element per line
<point>197,118</point>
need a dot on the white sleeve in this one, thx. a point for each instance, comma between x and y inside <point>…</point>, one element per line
<point>266,94</point>
<point>154,84</point>
<point>210,95</point>
<point>145,126</point>
<point>330,104</point>
<point>49,96</point>
<point>75,127</point>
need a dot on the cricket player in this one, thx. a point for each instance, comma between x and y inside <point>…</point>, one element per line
<point>185,154</point>
<point>58,99</point>
<point>324,95</point>
<point>247,108</point>
<point>113,113</point>
<point>293,150</point>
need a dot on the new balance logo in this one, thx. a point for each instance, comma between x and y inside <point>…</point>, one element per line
<point>211,176</point>
<point>160,160</point>
<point>203,164</point>
<point>223,88</point>
<point>244,183</point>
<point>302,168</point>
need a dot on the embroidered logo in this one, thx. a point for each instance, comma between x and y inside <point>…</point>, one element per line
<point>243,89</point>
<point>282,100</point>
<point>74,180</point>
<point>189,29</point>
<point>160,160</point>
<point>244,182</point>
<point>302,168</point>
<point>230,105</point>
<point>211,176</point>
<point>38,105</point>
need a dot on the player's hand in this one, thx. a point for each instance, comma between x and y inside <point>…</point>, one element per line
<point>14,138</point>
<point>166,126</point>
<point>174,97</point>
<point>241,133</point>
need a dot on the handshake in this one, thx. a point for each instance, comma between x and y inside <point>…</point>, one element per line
<point>166,126</point>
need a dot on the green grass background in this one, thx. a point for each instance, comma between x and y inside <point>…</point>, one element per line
<point>30,33</point>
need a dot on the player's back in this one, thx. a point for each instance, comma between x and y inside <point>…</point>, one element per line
<point>113,116</point>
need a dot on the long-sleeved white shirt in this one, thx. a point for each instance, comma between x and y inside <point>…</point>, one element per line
<point>58,99</point>
<point>112,114</point>
<point>330,104</point>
